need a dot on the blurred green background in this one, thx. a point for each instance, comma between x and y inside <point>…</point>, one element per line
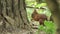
<point>31,5</point>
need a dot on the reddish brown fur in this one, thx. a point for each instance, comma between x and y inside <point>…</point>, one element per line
<point>39,17</point>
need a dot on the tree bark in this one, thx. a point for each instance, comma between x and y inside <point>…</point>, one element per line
<point>54,6</point>
<point>13,15</point>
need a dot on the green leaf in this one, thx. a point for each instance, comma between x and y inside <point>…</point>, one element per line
<point>41,5</point>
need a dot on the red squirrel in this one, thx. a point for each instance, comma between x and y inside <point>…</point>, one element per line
<point>39,17</point>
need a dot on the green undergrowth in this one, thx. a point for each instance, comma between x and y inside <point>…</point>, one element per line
<point>49,27</point>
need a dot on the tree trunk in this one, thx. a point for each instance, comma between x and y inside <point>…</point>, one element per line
<point>54,6</point>
<point>13,15</point>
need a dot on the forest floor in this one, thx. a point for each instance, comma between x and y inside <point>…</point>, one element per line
<point>17,32</point>
<point>23,31</point>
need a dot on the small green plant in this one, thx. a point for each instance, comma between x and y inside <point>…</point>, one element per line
<point>49,27</point>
